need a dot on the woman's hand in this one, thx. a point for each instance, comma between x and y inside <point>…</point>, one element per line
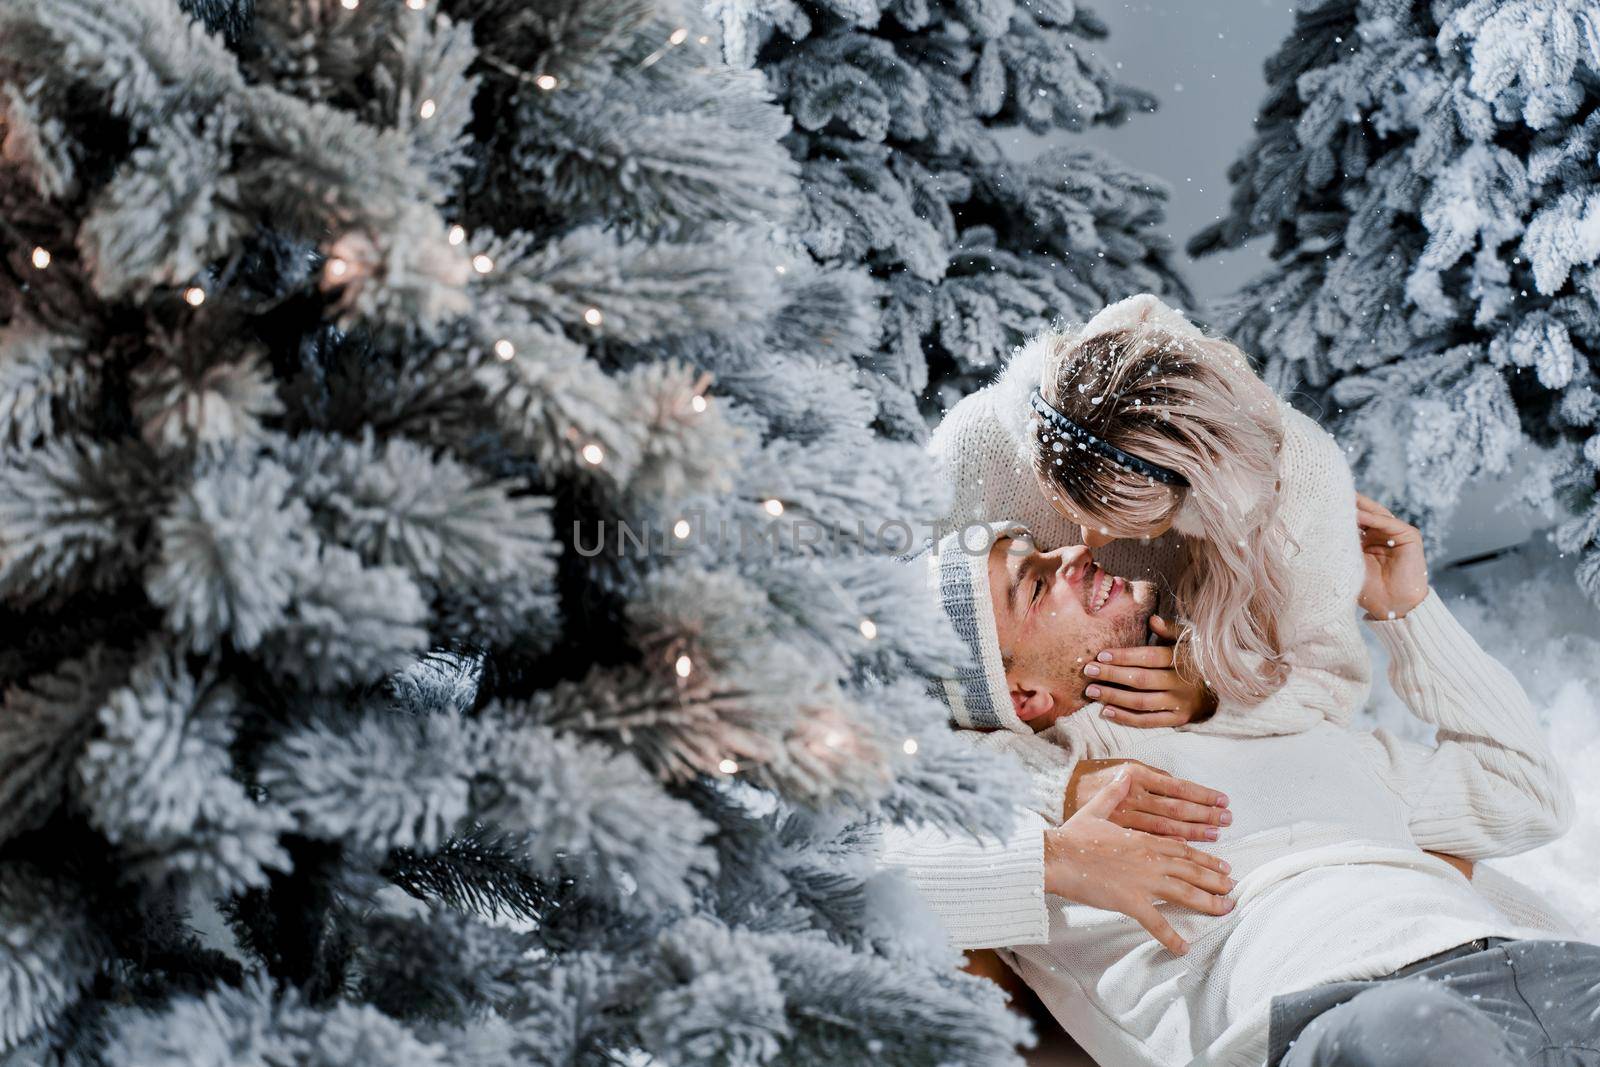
<point>1091,860</point>
<point>1155,802</point>
<point>1140,686</point>
<point>1397,571</point>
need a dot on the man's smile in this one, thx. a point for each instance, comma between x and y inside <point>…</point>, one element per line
<point>1098,587</point>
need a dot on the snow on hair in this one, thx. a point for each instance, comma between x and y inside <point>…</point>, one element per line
<point>1192,404</point>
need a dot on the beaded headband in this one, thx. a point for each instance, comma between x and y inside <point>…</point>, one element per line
<point>1067,428</point>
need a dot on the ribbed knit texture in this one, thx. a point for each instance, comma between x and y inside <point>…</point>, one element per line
<point>1325,843</point>
<point>958,573</point>
<point>1512,802</point>
<point>987,893</point>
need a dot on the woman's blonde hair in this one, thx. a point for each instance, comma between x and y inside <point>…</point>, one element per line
<point>1192,404</point>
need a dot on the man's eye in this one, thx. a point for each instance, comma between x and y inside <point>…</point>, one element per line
<point>1038,588</point>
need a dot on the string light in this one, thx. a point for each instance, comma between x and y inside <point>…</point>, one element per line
<point>482,263</point>
<point>593,317</point>
<point>910,746</point>
<point>546,82</point>
<point>681,529</point>
<point>337,267</point>
<point>781,269</point>
<point>416,5</point>
<point>774,507</point>
<point>457,235</point>
<point>727,766</point>
<point>683,666</point>
<point>427,109</point>
<point>350,5</point>
<point>698,403</point>
<point>593,454</point>
<point>679,36</point>
<point>41,257</point>
<point>869,629</point>
<point>704,39</point>
<point>194,295</point>
<point>504,349</point>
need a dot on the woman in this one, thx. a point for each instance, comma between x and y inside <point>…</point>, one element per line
<point>1160,448</point>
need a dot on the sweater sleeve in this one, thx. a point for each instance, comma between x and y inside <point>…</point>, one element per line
<point>1490,785</point>
<point>1330,672</point>
<point>1049,766</point>
<point>986,893</point>
<point>990,894</point>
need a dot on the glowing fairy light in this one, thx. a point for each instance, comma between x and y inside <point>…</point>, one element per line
<point>194,296</point>
<point>457,234</point>
<point>727,766</point>
<point>910,746</point>
<point>427,109</point>
<point>546,82</point>
<point>593,317</point>
<point>774,507</point>
<point>41,257</point>
<point>337,268</point>
<point>869,629</point>
<point>681,529</point>
<point>683,666</point>
<point>593,454</point>
<point>482,263</point>
<point>698,403</point>
<point>504,349</point>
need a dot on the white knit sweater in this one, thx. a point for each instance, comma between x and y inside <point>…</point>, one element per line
<point>982,449</point>
<point>1326,845</point>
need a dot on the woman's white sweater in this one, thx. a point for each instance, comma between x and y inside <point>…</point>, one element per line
<point>1326,845</point>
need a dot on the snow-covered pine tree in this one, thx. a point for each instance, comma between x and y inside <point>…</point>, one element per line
<point>900,109</point>
<point>337,337</point>
<point>1428,174</point>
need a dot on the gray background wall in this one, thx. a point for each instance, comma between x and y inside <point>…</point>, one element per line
<point>1202,60</point>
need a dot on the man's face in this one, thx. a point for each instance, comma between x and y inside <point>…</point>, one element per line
<point>1054,612</point>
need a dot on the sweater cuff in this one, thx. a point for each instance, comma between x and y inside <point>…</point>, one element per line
<point>1428,625</point>
<point>1048,786</point>
<point>987,894</point>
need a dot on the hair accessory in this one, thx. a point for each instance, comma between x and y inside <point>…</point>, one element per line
<point>1094,443</point>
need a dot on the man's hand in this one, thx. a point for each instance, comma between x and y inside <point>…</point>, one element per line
<point>1397,572</point>
<point>1155,802</point>
<point>1091,860</point>
<point>1141,686</point>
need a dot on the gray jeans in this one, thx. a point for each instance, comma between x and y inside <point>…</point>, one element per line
<point>1489,1003</point>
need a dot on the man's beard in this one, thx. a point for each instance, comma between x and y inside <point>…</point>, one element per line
<point>1133,630</point>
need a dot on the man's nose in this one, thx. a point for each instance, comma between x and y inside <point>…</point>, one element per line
<point>1073,556</point>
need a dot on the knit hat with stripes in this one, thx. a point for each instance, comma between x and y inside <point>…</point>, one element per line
<point>958,570</point>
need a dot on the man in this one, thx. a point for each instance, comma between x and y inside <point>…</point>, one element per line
<point>1347,943</point>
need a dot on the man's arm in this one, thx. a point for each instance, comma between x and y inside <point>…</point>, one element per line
<point>1062,776</point>
<point>1491,785</point>
<point>987,893</point>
